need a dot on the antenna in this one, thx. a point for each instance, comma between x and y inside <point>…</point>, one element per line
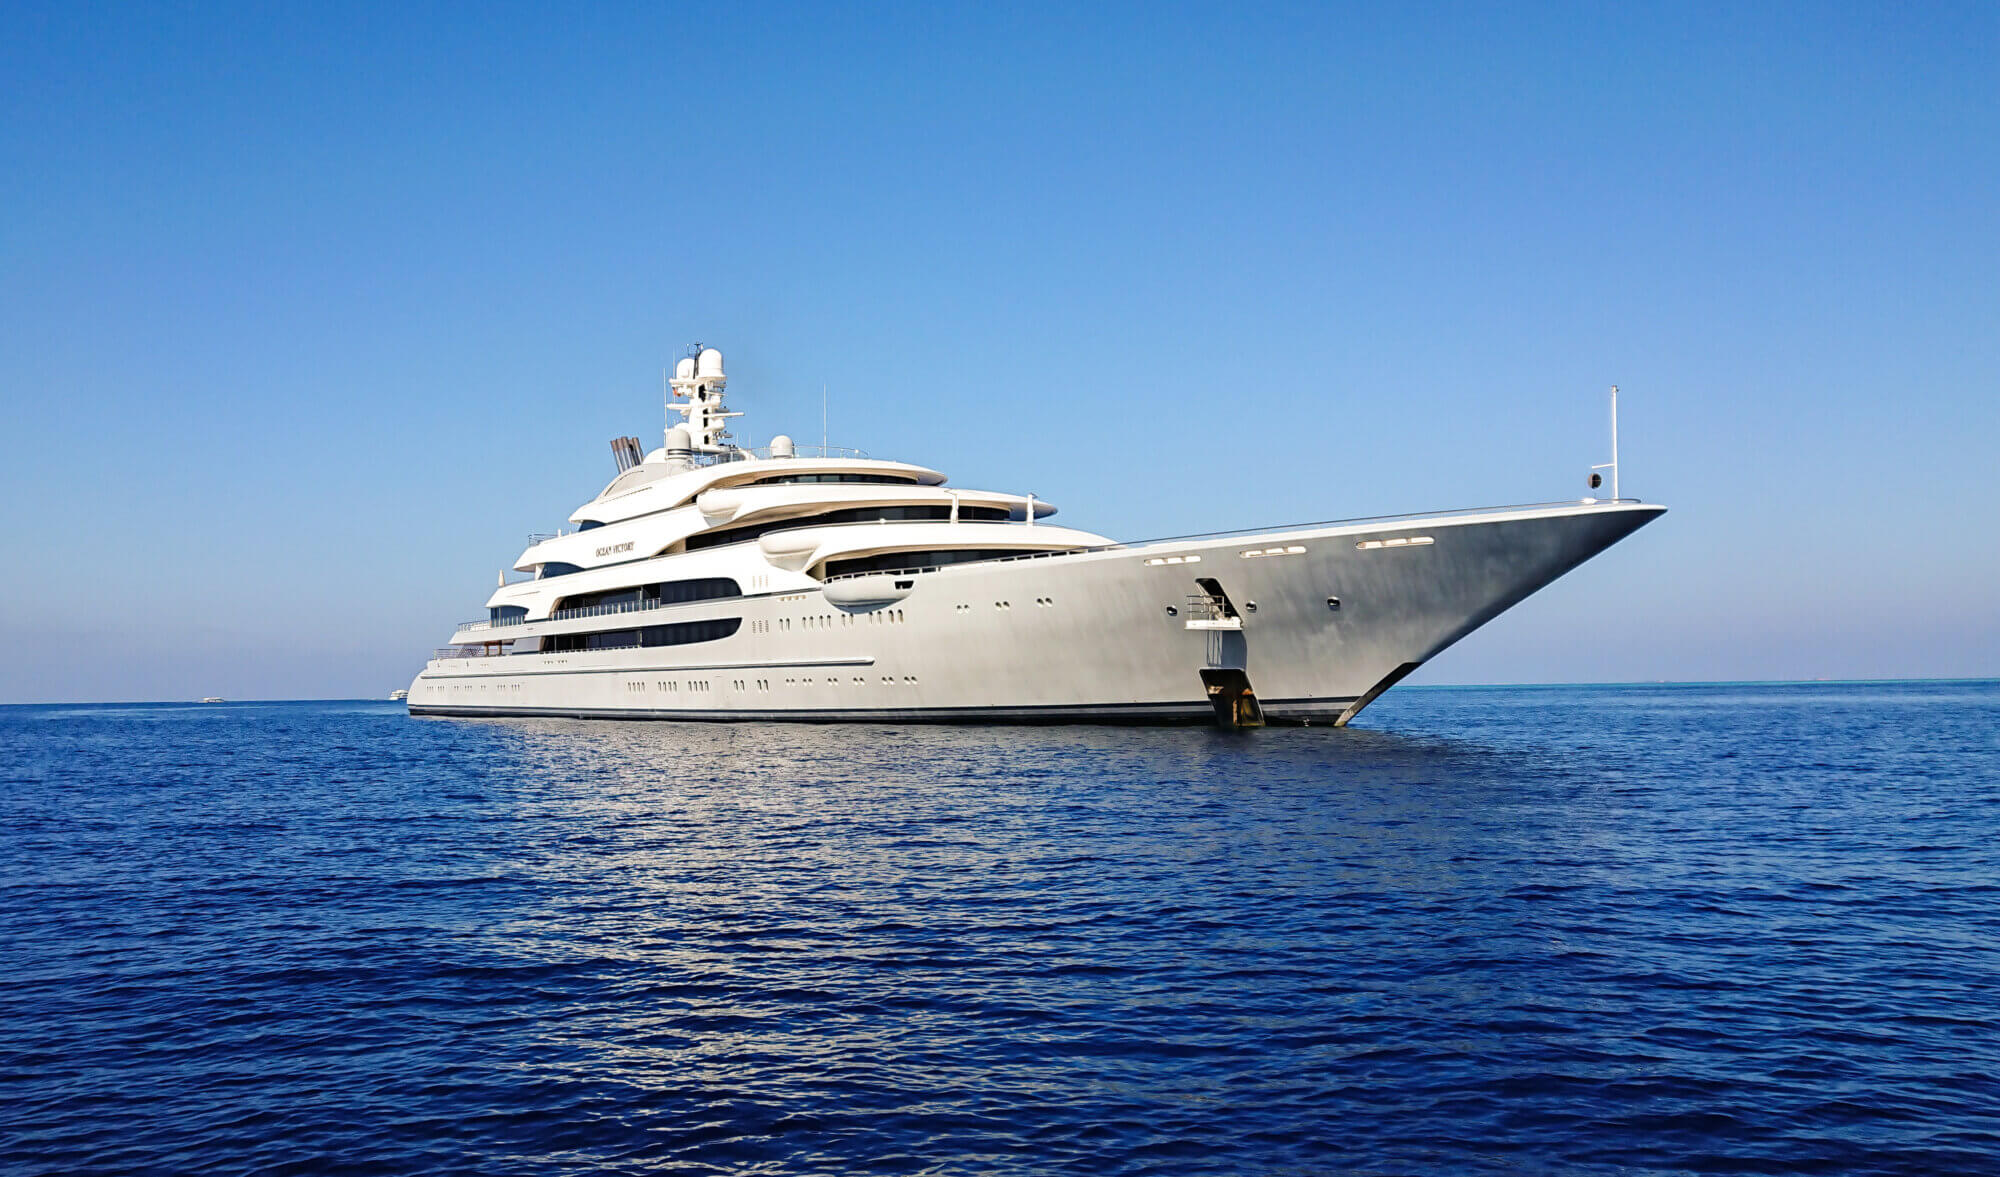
<point>822,418</point>
<point>699,379</point>
<point>1612,465</point>
<point>1614,443</point>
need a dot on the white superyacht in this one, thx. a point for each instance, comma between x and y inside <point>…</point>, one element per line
<point>711,581</point>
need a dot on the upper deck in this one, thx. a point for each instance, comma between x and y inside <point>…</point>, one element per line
<point>702,498</point>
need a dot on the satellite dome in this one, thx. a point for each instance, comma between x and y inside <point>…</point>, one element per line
<point>678,438</point>
<point>709,363</point>
<point>781,446</point>
<point>685,369</point>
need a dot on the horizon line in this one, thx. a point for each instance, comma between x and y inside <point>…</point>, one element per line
<point>1720,682</point>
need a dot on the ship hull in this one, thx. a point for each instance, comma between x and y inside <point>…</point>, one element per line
<point>1318,621</point>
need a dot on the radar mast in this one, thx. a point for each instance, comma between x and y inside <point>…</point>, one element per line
<point>696,394</point>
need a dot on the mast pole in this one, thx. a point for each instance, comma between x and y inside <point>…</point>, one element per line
<point>1614,443</point>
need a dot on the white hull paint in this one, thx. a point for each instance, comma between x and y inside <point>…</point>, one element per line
<point>1084,636</point>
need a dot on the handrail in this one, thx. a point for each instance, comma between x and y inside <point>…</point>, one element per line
<point>701,460</point>
<point>744,453</point>
<point>968,563</point>
<point>809,451</point>
<point>641,606</point>
<point>1377,519</point>
<point>1245,531</point>
<point>803,525</point>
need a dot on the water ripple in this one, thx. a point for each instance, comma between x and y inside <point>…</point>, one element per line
<point>1614,931</point>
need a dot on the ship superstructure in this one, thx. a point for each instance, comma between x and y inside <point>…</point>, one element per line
<point>714,581</point>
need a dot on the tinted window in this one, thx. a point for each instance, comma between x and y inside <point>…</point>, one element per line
<point>678,634</point>
<point>666,592</point>
<point>897,561</point>
<point>888,478</point>
<point>906,514</point>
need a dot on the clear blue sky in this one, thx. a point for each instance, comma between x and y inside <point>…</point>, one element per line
<point>308,315</point>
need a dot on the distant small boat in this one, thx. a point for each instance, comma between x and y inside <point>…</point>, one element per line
<point>398,695</point>
<point>215,699</point>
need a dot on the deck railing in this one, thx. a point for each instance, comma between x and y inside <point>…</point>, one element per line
<point>1244,531</point>
<point>798,451</point>
<point>1412,515</point>
<point>735,454</point>
<point>974,563</point>
<point>641,606</point>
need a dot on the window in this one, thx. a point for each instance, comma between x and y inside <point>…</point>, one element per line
<point>1401,541</point>
<point>885,478</point>
<point>666,592</point>
<point>902,514</point>
<point>900,561</point>
<point>1286,550</point>
<point>506,614</point>
<point>678,634</point>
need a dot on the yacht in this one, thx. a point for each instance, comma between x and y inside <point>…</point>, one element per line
<point>710,581</point>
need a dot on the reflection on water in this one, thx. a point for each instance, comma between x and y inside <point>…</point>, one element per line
<point>1596,930</point>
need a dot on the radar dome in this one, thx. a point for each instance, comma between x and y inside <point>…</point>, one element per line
<point>709,363</point>
<point>678,438</point>
<point>781,446</point>
<point>685,369</point>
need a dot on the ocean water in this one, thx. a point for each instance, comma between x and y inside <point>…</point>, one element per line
<point>1604,930</point>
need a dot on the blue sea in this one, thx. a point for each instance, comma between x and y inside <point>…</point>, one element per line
<point>1593,930</point>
